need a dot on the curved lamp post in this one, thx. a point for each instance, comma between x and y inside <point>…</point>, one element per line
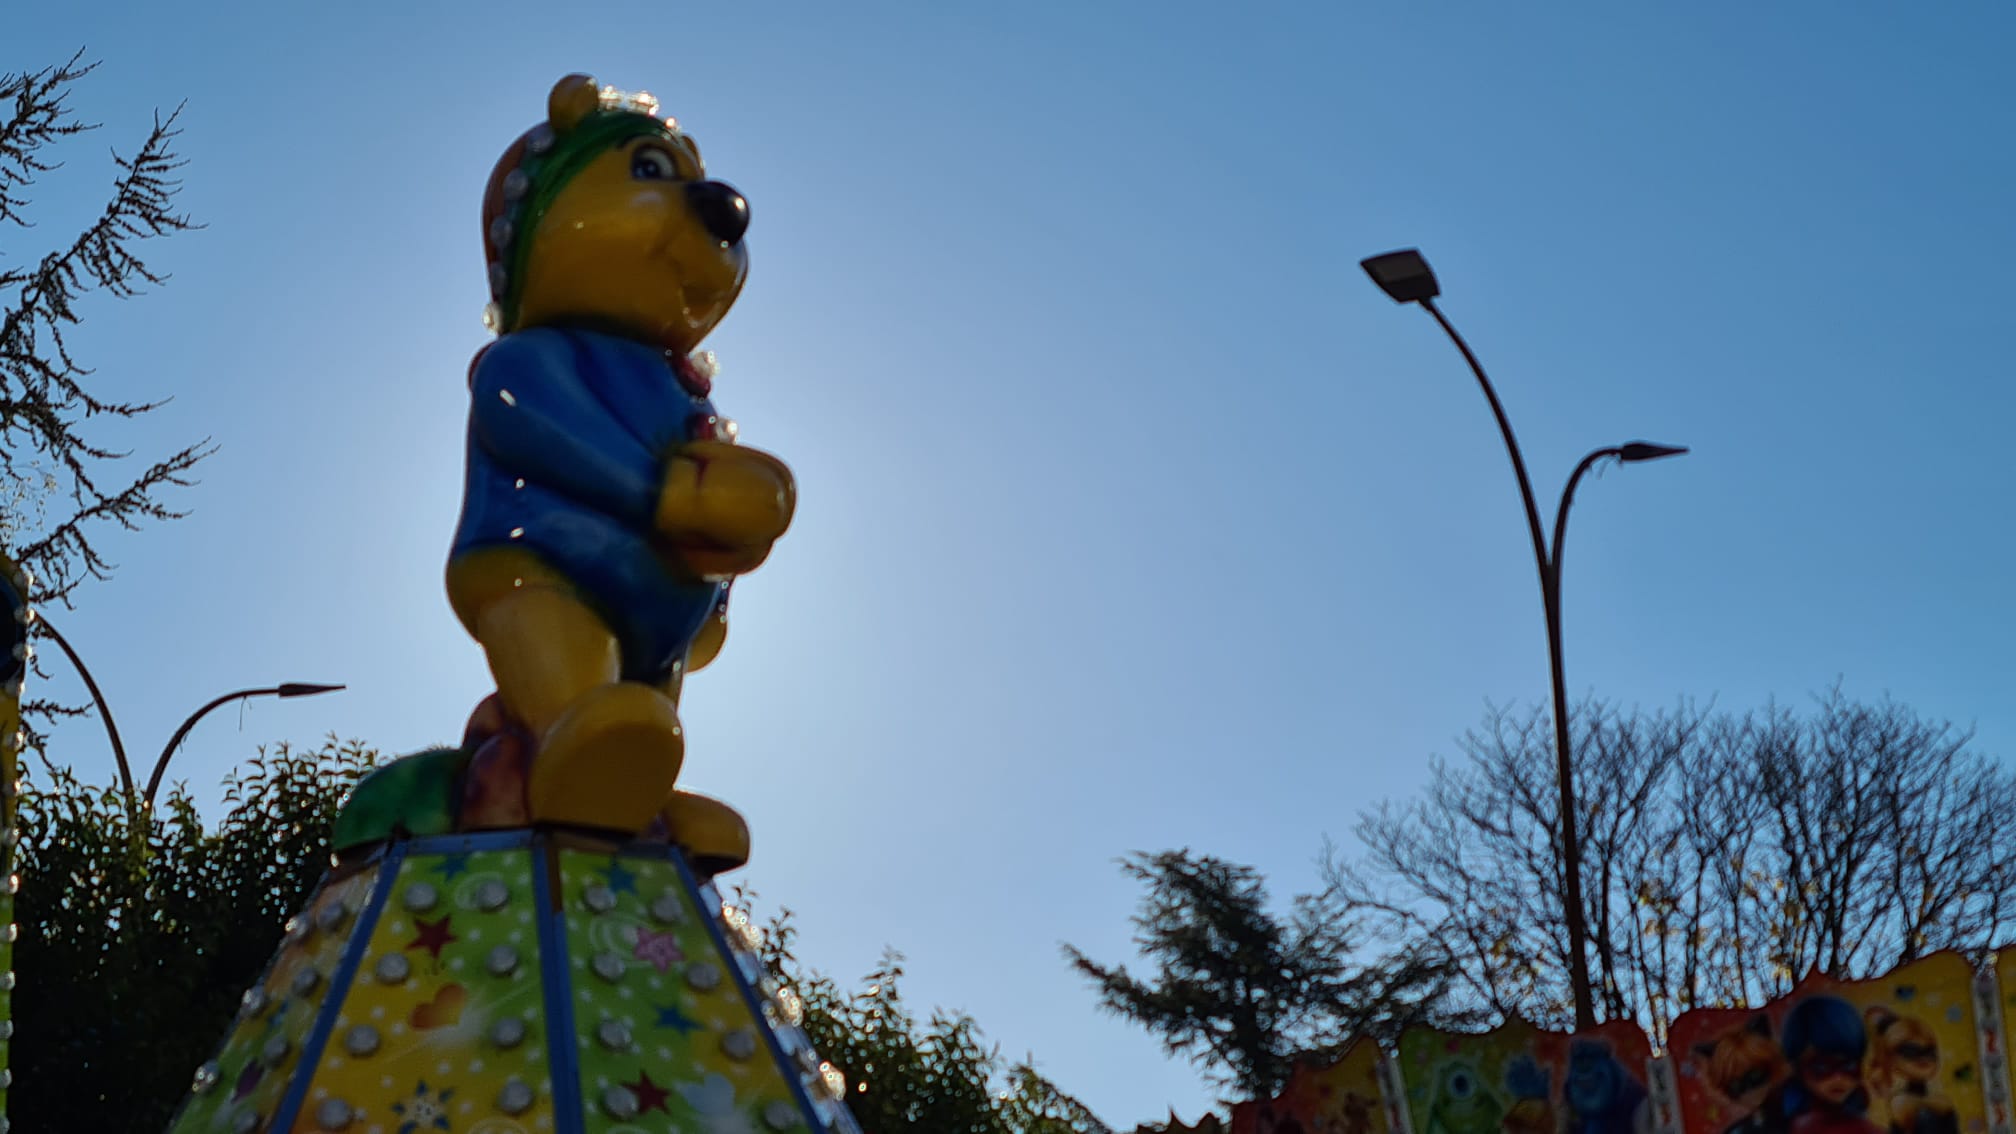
<point>288,689</point>
<point>1406,278</point>
<point>97,698</point>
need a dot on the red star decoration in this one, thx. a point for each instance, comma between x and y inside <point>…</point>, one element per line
<point>650,1096</point>
<point>433,935</point>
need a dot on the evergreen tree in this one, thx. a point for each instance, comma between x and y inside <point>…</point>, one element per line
<point>58,485</point>
<point>1244,993</point>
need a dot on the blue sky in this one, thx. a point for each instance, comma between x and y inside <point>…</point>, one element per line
<point>1131,515</point>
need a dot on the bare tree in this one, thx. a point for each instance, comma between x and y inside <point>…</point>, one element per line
<point>1724,858</point>
<point>46,455</point>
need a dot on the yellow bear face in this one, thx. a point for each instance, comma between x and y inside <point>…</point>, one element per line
<point>626,237</point>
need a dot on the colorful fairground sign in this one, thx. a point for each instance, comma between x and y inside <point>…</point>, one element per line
<point>1920,1050</point>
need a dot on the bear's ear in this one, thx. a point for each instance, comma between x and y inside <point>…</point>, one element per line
<point>1760,1024</point>
<point>574,98</point>
<point>1704,1050</point>
<point>692,146</point>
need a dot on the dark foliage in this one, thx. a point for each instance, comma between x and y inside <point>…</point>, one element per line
<point>136,943</point>
<point>1243,992</point>
<point>906,1076</point>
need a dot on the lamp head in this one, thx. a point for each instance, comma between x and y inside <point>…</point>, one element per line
<point>1647,451</point>
<point>299,689</point>
<point>1403,275</point>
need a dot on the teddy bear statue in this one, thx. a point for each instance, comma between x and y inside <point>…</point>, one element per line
<point>520,934</point>
<point>607,506</point>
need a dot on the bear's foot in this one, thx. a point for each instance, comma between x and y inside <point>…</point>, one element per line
<point>714,835</point>
<point>610,761</point>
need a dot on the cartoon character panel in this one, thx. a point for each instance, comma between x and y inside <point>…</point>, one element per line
<point>1518,1079</point>
<point>1995,999</point>
<point>1896,1055</point>
<point>1341,1098</point>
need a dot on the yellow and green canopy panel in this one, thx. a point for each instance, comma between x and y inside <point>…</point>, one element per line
<point>521,981</point>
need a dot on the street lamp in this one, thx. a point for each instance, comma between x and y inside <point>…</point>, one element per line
<point>288,689</point>
<point>1406,277</point>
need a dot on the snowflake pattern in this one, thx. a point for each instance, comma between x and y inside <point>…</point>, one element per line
<point>425,1110</point>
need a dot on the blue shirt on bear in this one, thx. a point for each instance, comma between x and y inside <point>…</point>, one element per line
<point>569,432</point>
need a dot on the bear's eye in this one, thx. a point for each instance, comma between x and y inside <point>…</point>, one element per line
<point>650,163</point>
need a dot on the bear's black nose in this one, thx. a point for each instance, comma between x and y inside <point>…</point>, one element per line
<point>724,211</point>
